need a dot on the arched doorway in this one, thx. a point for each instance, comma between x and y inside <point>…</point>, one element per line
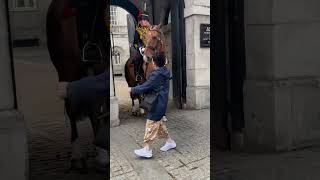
<point>129,6</point>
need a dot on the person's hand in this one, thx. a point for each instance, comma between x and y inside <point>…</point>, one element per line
<point>129,90</point>
<point>62,89</point>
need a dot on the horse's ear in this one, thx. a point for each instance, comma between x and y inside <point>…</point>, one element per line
<point>160,25</point>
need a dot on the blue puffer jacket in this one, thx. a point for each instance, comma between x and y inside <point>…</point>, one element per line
<point>152,84</point>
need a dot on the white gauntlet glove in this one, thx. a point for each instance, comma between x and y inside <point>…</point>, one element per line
<point>141,50</point>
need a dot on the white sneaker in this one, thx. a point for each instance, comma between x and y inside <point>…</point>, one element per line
<point>164,118</point>
<point>143,152</point>
<point>168,146</point>
<point>102,160</point>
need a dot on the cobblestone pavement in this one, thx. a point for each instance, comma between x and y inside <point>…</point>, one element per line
<point>189,128</point>
<point>303,164</point>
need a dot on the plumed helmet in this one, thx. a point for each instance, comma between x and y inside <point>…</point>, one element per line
<point>143,15</point>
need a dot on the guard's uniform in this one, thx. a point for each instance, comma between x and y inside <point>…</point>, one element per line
<point>139,45</point>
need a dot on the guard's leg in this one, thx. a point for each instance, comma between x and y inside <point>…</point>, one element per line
<point>133,107</point>
<point>141,110</point>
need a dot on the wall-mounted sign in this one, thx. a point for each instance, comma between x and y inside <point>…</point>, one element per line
<point>204,35</point>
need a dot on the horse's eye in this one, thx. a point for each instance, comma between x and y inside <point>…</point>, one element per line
<point>154,37</point>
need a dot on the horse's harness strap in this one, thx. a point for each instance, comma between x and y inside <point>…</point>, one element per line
<point>145,73</point>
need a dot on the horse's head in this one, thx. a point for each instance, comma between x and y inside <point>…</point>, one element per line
<point>155,42</point>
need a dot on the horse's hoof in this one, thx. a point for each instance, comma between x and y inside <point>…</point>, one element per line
<point>102,160</point>
<point>101,169</point>
<point>78,165</point>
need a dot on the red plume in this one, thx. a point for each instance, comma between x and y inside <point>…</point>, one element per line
<point>139,13</point>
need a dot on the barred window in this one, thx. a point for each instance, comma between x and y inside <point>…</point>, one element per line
<point>113,15</point>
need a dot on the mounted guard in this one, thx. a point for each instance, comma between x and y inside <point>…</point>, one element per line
<point>139,43</point>
<point>148,39</point>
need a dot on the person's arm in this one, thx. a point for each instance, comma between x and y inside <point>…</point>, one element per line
<point>88,89</point>
<point>146,86</point>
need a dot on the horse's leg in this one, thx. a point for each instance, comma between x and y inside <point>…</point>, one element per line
<point>101,133</point>
<point>141,110</point>
<point>78,162</point>
<point>102,144</point>
<point>133,107</point>
<point>74,130</point>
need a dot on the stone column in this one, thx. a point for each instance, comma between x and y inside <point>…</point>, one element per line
<point>13,149</point>
<point>282,95</point>
<point>114,106</point>
<point>198,59</point>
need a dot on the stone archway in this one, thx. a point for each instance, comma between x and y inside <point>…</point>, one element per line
<point>133,9</point>
<point>130,6</point>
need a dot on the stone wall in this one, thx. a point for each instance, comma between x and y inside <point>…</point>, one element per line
<point>6,84</point>
<point>198,59</point>
<point>13,151</point>
<point>282,89</point>
<point>23,28</point>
